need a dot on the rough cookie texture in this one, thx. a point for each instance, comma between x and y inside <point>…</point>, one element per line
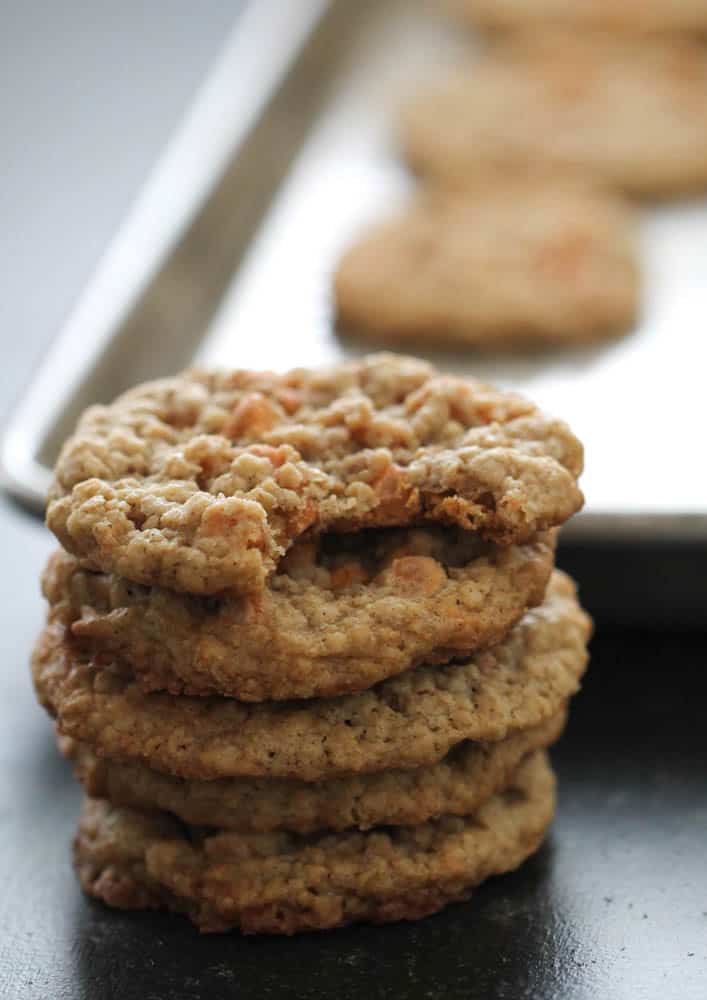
<point>283,883</point>
<point>200,483</point>
<point>456,786</point>
<point>511,263</point>
<point>406,721</point>
<point>337,617</point>
<point>630,113</point>
<point>644,17</point>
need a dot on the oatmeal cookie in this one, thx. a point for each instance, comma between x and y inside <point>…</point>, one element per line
<point>201,483</point>
<point>508,264</point>
<point>284,883</point>
<point>456,786</point>
<point>643,17</point>
<point>342,613</point>
<point>407,721</point>
<point>630,113</point>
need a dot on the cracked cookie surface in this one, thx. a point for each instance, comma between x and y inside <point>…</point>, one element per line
<point>284,883</point>
<point>628,113</point>
<point>201,483</point>
<point>342,613</point>
<point>511,263</point>
<point>407,721</point>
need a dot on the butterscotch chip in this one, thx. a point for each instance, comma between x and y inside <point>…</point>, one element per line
<point>456,786</point>
<point>630,113</point>
<point>645,17</point>
<point>201,483</point>
<point>339,616</point>
<point>407,721</point>
<point>509,263</point>
<point>283,883</point>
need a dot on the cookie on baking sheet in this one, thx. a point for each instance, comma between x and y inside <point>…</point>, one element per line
<point>630,113</point>
<point>456,786</point>
<point>284,883</point>
<point>633,16</point>
<point>201,483</point>
<point>342,613</point>
<point>406,721</point>
<point>509,263</point>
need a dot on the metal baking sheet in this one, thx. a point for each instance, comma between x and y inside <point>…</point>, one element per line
<point>279,164</point>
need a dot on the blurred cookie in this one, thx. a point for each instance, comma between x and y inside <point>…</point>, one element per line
<point>406,721</point>
<point>456,786</point>
<point>343,612</point>
<point>513,263</point>
<point>284,883</point>
<point>630,113</point>
<point>645,16</point>
<point>202,482</point>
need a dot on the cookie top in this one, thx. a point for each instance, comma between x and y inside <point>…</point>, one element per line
<point>637,18</point>
<point>201,482</point>
<point>406,721</point>
<point>283,883</point>
<point>456,786</point>
<point>630,113</point>
<point>341,613</point>
<point>509,263</point>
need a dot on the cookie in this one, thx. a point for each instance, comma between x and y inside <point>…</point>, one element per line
<point>407,721</point>
<point>510,263</point>
<point>630,113</point>
<point>201,483</point>
<point>456,786</point>
<point>645,17</point>
<point>284,883</point>
<point>342,613</point>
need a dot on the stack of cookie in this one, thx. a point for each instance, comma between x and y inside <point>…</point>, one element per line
<point>305,647</point>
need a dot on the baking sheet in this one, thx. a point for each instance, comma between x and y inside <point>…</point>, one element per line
<point>637,402</point>
<point>247,281</point>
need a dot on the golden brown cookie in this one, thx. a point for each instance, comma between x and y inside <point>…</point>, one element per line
<point>407,721</point>
<point>632,16</point>
<point>201,483</point>
<point>629,113</point>
<point>284,883</point>
<point>456,786</point>
<point>342,613</point>
<point>510,263</point>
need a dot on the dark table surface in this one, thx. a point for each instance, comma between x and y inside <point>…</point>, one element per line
<point>615,904</point>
